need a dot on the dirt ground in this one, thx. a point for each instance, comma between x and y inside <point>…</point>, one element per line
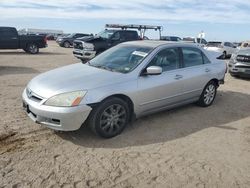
<point>186,147</point>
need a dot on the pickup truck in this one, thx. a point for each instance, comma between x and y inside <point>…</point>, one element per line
<point>9,39</point>
<point>86,48</point>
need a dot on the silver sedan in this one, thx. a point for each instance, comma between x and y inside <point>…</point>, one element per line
<point>128,81</point>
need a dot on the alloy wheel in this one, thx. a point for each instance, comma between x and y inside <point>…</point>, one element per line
<point>209,94</point>
<point>113,119</point>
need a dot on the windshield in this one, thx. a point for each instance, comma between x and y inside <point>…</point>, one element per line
<point>122,58</point>
<point>106,34</point>
<point>214,44</point>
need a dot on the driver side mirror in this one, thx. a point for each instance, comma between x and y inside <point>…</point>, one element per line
<point>153,70</point>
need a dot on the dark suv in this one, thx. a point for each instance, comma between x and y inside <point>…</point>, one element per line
<point>87,47</point>
<point>67,41</point>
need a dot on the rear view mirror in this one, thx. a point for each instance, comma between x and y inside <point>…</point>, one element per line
<point>153,70</point>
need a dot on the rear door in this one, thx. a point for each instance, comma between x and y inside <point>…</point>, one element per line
<point>8,38</point>
<point>196,72</point>
<point>161,91</point>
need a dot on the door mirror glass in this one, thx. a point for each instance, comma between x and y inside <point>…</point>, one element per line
<point>154,70</point>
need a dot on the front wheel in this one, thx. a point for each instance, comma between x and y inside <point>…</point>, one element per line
<point>66,44</point>
<point>224,55</point>
<point>109,118</point>
<point>208,95</point>
<point>32,48</point>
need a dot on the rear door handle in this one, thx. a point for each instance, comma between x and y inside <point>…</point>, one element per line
<point>207,70</point>
<point>177,76</point>
<point>14,38</point>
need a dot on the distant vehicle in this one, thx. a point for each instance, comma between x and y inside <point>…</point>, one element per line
<point>67,41</point>
<point>171,38</point>
<point>88,47</point>
<point>195,40</point>
<point>239,64</point>
<point>130,80</point>
<point>50,37</point>
<point>245,44</point>
<point>9,39</point>
<point>226,48</point>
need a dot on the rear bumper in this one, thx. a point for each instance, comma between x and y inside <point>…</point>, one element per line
<point>57,118</point>
<point>84,54</point>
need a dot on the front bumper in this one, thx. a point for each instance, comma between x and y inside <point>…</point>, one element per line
<point>84,54</point>
<point>57,118</point>
<point>240,69</point>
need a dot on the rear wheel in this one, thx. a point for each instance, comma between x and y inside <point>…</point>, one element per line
<point>208,95</point>
<point>32,48</point>
<point>109,118</point>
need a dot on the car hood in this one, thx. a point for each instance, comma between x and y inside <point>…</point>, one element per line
<point>73,78</point>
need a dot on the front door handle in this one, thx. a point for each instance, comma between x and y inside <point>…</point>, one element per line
<point>14,38</point>
<point>177,76</point>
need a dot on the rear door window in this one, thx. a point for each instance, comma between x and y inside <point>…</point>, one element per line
<point>192,57</point>
<point>130,35</point>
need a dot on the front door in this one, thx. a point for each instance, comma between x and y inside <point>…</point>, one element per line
<point>160,91</point>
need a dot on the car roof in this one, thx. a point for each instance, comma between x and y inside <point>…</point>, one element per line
<point>157,43</point>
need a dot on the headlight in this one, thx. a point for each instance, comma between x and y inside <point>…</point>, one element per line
<point>66,99</point>
<point>59,40</point>
<point>233,59</point>
<point>88,46</point>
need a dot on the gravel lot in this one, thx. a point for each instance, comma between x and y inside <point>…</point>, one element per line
<point>186,147</point>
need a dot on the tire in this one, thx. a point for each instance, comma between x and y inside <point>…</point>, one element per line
<point>234,75</point>
<point>84,61</point>
<point>208,94</point>
<point>66,44</point>
<point>32,48</point>
<point>224,56</point>
<point>109,118</point>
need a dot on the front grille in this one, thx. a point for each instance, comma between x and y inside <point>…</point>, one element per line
<point>242,66</point>
<point>243,58</point>
<point>32,96</point>
<point>78,45</point>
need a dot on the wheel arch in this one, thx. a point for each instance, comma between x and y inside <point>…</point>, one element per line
<point>123,97</point>
<point>217,82</point>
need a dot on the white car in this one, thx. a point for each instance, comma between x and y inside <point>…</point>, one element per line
<point>226,48</point>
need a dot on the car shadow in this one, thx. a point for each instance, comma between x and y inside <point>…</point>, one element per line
<point>24,53</point>
<point>8,70</point>
<point>170,125</point>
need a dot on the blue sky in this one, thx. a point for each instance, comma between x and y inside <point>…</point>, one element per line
<point>219,19</point>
